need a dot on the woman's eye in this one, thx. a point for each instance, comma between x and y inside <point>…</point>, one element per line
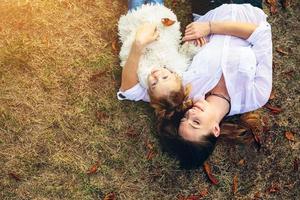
<point>165,77</point>
<point>197,122</point>
<point>153,84</point>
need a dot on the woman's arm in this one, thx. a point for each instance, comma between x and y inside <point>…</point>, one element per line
<point>145,35</point>
<point>201,29</point>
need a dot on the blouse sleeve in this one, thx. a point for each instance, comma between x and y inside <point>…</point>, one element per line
<point>136,93</point>
<point>261,45</point>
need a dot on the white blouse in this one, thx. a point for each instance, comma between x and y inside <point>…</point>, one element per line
<point>246,64</point>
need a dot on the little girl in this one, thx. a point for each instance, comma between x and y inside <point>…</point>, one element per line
<point>152,72</point>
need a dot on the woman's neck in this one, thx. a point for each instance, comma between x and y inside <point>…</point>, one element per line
<point>220,105</point>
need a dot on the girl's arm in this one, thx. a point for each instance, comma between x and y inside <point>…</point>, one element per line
<point>129,75</point>
<point>145,35</point>
<point>201,29</point>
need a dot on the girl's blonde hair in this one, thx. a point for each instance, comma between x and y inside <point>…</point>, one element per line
<point>176,101</point>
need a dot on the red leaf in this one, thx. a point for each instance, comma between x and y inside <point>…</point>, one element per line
<point>131,132</point>
<point>114,45</point>
<point>14,176</point>
<point>273,109</point>
<point>167,22</point>
<point>101,116</point>
<point>273,6</point>
<point>242,162</point>
<point>204,193</point>
<point>273,188</point>
<point>289,135</point>
<point>110,196</point>
<point>266,124</point>
<point>93,169</point>
<point>190,197</point>
<point>280,50</point>
<point>235,184</point>
<point>211,177</point>
<point>272,95</point>
<point>289,73</point>
<point>257,196</point>
<point>150,155</point>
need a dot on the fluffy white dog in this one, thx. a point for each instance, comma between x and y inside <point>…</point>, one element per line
<point>166,51</point>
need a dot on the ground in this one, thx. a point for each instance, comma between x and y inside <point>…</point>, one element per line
<point>64,135</point>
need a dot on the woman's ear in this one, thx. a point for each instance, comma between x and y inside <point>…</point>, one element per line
<point>216,130</point>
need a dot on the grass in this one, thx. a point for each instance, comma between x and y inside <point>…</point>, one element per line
<point>59,115</point>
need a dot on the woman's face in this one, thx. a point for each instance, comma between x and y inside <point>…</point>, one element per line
<point>161,82</point>
<point>198,122</point>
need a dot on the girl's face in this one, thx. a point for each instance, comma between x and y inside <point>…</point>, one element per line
<point>197,122</point>
<point>161,82</point>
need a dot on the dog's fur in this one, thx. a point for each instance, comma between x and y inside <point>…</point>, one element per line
<point>165,52</point>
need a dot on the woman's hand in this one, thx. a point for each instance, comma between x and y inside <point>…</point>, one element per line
<point>196,30</point>
<point>145,34</point>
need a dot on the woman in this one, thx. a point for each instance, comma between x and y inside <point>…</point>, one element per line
<point>240,51</point>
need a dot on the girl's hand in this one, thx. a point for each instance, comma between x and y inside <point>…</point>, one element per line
<point>196,30</point>
<point>146,34</point>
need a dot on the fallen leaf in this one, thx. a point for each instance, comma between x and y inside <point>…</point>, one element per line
<point>242,162</point>
<point>273,109</point>
<point>289,135</point>
<point>211,177</point>
<point>93,169</point>
<point>150,155</point>
<point>14,176</point>
<point>235,184</point>
<point>273,6</point>
<point>167,22</point>
<point>266,124</point>
<point>289,73</point>
<point>280,50</point>
<point>110,196</point>
<point>131,132</point>
<point>114,45</point>
<point>273,188</point>
<point>272,95</point>
<point>96,77</point>
<point>189,197</point>
<point>101,116</point>
<point>257,195</point>
<point>204,193</point>
<point>296,164</point>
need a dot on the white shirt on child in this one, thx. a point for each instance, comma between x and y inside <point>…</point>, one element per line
<point>246,64</point>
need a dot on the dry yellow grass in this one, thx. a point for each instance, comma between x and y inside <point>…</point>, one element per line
<point>59,115</point>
